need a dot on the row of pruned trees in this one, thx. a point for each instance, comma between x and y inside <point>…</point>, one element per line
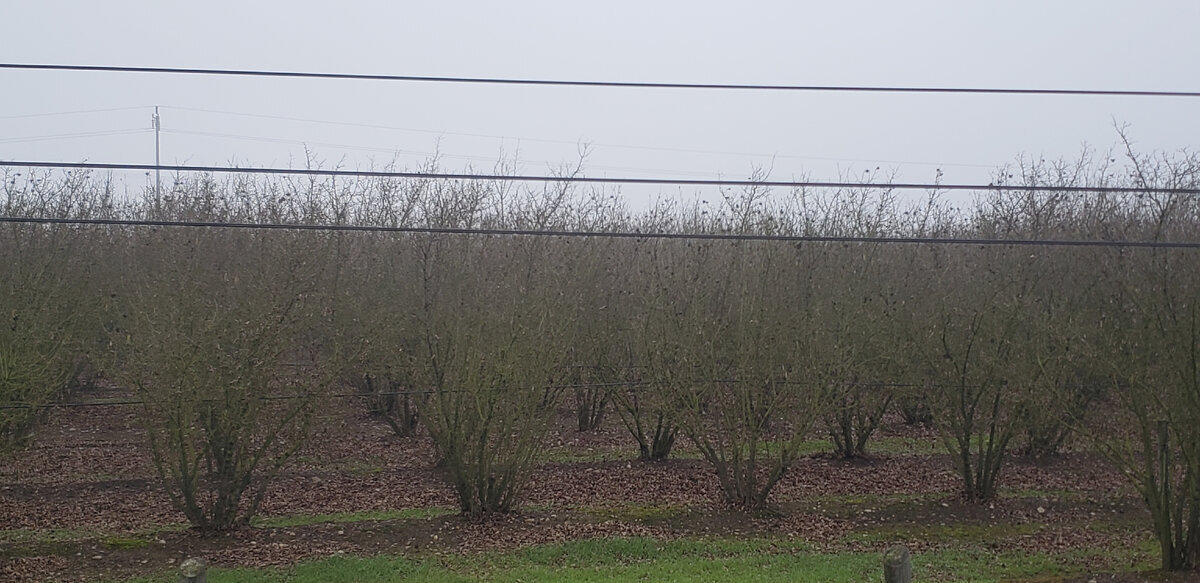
<point>233,337</point>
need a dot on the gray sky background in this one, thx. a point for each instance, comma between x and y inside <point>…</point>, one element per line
<point>1097,44</point>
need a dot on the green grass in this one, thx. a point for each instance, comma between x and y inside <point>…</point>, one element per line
<point>643,559</point>
<point>964,534</point>
<point>634,511</point>
<point>905,446</point>
<point>57,535</point>
<point>572,455</point>
<point>331,570</point>
<point>67,535</point>
<point>853,505</point>
<point>370,515</point>
<point>137,539</point>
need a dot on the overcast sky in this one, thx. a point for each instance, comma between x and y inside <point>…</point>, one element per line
<point>1095,44</point>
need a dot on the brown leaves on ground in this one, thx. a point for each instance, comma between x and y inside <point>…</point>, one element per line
<point>87,473</point>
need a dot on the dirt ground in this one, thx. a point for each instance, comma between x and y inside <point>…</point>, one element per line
<point>82,501</point>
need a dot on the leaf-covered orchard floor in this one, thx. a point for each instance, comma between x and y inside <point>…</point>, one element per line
<point>81,504</point>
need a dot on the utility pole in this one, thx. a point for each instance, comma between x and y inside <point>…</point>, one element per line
<point>157,173</point>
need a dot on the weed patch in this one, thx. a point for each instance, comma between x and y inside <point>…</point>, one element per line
<point>374,515</point>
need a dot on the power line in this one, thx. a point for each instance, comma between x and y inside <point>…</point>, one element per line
<point>612,235</point>
<point>599,179</point>
<point>52,137</point>
<point>581,83</point>
<point>295,142</point>
<point>410,152</point>
<point>76,112</point>
<point>575,143</point>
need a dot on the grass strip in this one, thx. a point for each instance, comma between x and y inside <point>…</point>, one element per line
<point>715,560</point>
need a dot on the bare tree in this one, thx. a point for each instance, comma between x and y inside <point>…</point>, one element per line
<point>489,351</point>
<point>39,299</point>
<point>970,333</point>
<point>738,367</point>
<point>1147,343</point>
<point>49,311</point>
<point>208,324</point>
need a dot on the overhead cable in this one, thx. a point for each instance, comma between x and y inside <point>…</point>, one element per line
<point>584,83</point>
<point>74,112</point>
<point>573,142</point>
<point>53,137</point>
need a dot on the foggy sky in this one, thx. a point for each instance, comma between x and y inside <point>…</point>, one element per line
<point>631,132</point>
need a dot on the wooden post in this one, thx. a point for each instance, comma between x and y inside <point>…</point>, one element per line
<point>897,565</point>
<point>193,570</point>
